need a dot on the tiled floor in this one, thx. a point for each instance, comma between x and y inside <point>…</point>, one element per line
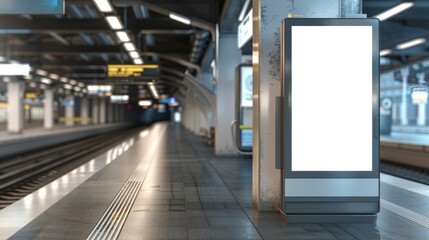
<point>190,194</point>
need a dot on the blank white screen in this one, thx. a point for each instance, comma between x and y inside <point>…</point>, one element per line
<point>331,98</point>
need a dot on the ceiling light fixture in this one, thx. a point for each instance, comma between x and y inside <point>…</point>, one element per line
<point>394,10</point>
<point>103,5</point>
<point>14,69</point>
<point>64,79</point>
<point>243,10</point>
<point>68,86</point>
<point>41,72</point>
<point>123,36</point>
<point>46,80</point>
<point>138,61</point>
<point>114,22</point>
<point>179,18</point>
<point>54,76</point>
<point>411,43</point>
<point>129,46</point>
<point>134,54</point>
<point>145,103</point>
<point>385,52</point>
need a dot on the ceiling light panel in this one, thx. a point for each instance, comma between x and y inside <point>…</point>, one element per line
<point>179,18</point>
<point>134,54</point>
<point>123,36</point>
<point>114,22</point>
<point>103,6</point>
<point>385,52</point>
<point>411,43</point>
<point>394,10</point>
<point>129,46</point>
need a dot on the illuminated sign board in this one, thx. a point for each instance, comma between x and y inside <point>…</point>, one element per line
<point>245,30</point>
<point>132,70</point>
<point>32,7</point>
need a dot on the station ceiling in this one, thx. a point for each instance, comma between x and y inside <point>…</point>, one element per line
<point>80,44</point>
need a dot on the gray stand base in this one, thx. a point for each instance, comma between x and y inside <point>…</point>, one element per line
<point>331,218</point>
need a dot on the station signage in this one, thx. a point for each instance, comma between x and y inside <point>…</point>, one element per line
<point>32,7</point>
<point>245,30</point>
<point>132,71</point>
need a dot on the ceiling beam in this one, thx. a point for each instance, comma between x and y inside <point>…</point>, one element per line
<point>15,25</point>
<point>55,49</point>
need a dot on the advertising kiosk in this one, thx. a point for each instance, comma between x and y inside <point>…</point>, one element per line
<point>330,116</point>
<point>244,107</point>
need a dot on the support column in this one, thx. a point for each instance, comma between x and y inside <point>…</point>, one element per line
<point>110,112</point>
<point>48,109</point>
<point>95,111</point>
<point>404,114</point>
<point>69,111</point>
<point>267,17</point>
<point>229,57</point>
<point>15,107</point>
<point>102,110</point>
<point>115,112</point>
<point>421,117</point>
<point>84,110</point>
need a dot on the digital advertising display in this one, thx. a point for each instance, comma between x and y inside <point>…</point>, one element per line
<point>333,101</point>
<point>330,115</point>
<point>245,107</point>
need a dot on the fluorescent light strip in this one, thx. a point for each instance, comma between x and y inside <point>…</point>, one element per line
<point>394,11</point>
<point>385,52</point>
<point>411,43</point>
<point>68,86</point>
<point>46,80</point>
<point>179,18</point>
<point>134,54</point>
<point>114,22</point>
<point>41,72</point>
<point>103,5</point>
<point>129,46</point>
<point>138,61</point>
<point>54,76</point>
<point>145,103</point>
<point>14,69</point>
<point>243,10</point>
<point>123,36</point>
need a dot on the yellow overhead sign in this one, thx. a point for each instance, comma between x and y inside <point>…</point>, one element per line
<point>131,70</point>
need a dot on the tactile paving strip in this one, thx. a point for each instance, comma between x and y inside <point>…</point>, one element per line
<point>112,221</point>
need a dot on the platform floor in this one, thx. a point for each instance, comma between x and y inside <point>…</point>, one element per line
<point>187,193</point>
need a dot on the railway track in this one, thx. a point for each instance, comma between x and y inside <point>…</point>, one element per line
<point>22,175</point>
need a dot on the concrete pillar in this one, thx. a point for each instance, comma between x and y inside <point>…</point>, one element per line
<point>229,57</point>
<point>15,107</point>
<point>120,112</point>
<point>115,112</point>
<point>394,113</point>
<point>48,109</point>
<point>404,115</point>
<point>110,112</point>
<point>267,16</point>
<point>102,107</point>
<point>69,109</point>
<point>84,110</point>
<point>421,114</point>
<point>95,111</point>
